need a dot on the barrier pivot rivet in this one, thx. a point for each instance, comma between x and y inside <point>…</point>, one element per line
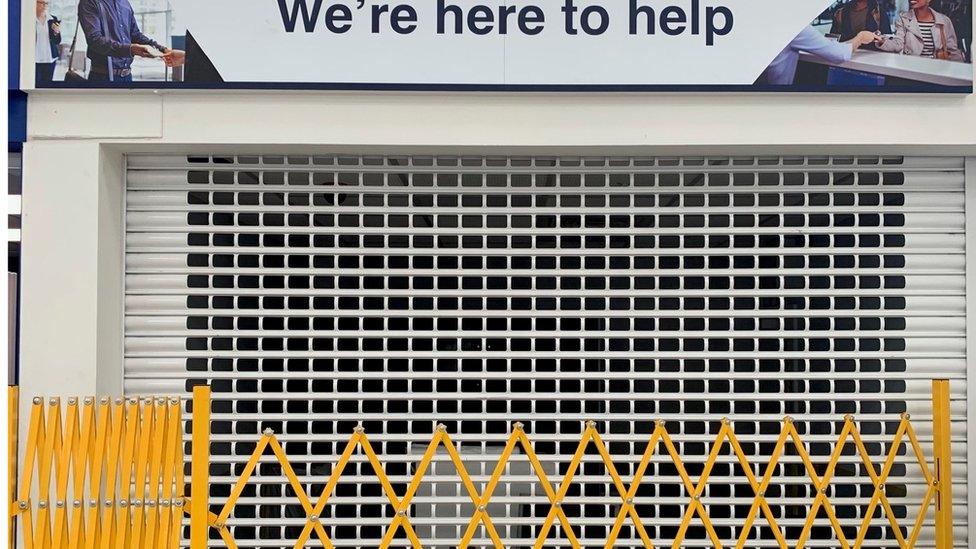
<point>906,415</point>
<point>22,505</point>
<point>38,400</point>
<point>42,504</point>
<point>590,423</point>
<point>133,401</point>
<point>108,503</point>
<point>268,431</point>
<point>762,493</point>
<point>788,419</point>
<point>53,401</point>
<point>76,504</point>
<point>630,501</point>
<point>59,503</point>
<point>89,401</point>
<point>518,426</point>
<point>174,400</point>
<point>313,518</point>
<point>481,508</point>
<point>160,400</point>
<point>659,422</point>
<point>849,417</point>
<point>150,504</point>
<point>441,427</point>
<point>219,525</point>
<point>103,400</point>
<point>72,401</point>
<point>119,401</point>
<point>558,505</point>
<point>401,513</point>
<point>123,504</point>
<point>359,429</point>
<point>164,503</point>
<point>178,503</point>
<point>137,503</point>
<point>92,503</point>
<point>823,490</point>
<point>697,497</point>
<point>881,487</point>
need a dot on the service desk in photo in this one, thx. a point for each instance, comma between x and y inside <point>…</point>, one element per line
<point>884,69</point>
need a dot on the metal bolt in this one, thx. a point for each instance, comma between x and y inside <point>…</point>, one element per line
<point>697,497</point>
<point>788,419</point>
<point>590,424</point>
<point>123,504</point>
<point>92,503</point>
<point>359,429</point>
<point>76,504</point>
<point>906,415</point>
<point>137,503</point>
<point>133,401</point>
<point>38,400</point>
<point>219,525</point>
<point>441,427</point>
<point>313,518</point>
<point>72,401</point>
<point>401,513</point>
<point>53,401</point>
<point>119,401</point>
<point>160,400</point>
<point>518,426</point>
<point>103,400</point>
<point>823,490</point>
<point>558,505</point>
<point>164,503</point>
<point>22,505</point>
<point>178,503</point>
<point>849,417</point>
<point>481,508</point>
<point>630,501</point>
<point>762,493</point>
<point>42,504</point>
<point>725,421</point>
<point>268,431</point>
<point>89,401</point>
<point>881,487</point>
<point>59,503</point>
<point>174,400</point>
<point>151,504</point>
<point>108,503</point>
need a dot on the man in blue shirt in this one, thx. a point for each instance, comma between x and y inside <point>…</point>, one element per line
<point>782,70</point>
<point>114,39</point>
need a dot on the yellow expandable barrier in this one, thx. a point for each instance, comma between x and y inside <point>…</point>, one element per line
<point>109,474</point>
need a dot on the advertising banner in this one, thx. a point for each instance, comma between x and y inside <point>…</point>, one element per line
<point>571,45</point>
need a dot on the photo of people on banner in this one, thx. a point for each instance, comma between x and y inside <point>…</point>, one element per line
<point>853,45</point>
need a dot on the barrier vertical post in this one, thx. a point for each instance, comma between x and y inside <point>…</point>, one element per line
<point>941,438</point>
<point>200,469</point>
<point>13,424</point>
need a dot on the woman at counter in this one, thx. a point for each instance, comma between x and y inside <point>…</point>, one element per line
<point>923,32</point>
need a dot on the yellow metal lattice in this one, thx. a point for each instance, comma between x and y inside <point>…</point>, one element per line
<point>726,440</point>
<point>109,474</point>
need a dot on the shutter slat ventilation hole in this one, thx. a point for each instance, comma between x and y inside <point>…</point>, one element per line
<point>315,292</point>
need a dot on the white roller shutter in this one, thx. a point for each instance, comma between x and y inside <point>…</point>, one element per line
<point>318,292</point>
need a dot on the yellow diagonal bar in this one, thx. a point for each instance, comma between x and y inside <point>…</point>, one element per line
<point>696,506</point>
<point>97,466</point>
<point>759,502</point>
<point>113,463</point>
<point>618,483</point>
<point>820,484</point>
<point>632,491</point>
<point>878,480</point>
<point>567,480</point>
<point>551,495</point>
<point>333,481</point>
<point>401,507</point>
<point>245,475</point>
<point>63,466</point>
<point>480,510</point>
<point>131,424</point>
<point>471,489</point>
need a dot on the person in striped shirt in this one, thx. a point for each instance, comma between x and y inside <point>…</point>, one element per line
<point>924,32</point>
